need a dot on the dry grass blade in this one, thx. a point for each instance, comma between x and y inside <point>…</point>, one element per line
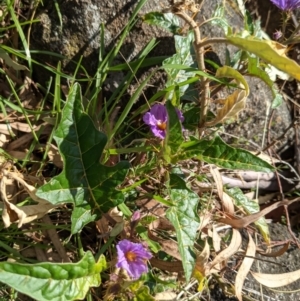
<point>245,268</point>
<point>276,280</point>
<point>233,247</point>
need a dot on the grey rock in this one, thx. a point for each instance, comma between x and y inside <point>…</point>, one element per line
<point>79,35</point>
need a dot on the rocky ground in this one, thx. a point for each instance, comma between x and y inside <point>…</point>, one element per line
<point>79,36</point>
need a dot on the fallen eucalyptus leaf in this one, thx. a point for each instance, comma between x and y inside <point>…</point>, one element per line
<point>246,221</point>
<point>244,268</point>
<point>233,247</point>
<point>276,280</point>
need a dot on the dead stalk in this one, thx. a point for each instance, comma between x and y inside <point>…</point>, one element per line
<point>199,49</point>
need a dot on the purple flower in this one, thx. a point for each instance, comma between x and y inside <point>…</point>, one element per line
<point>286,4</point>
<point>277,35</point>
<point>132,257</point>
<point>157,119</point>
<point>136,216</point>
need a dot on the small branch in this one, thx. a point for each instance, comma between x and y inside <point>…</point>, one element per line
<point>199,49</point>
<point>213,41</point>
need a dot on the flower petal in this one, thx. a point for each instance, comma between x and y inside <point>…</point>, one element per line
<point>286,4</point>
<point>149,119</point>
<point>158,132</point>
<point>180,115</point>
<point>159,111</point>
<point>134,265</point>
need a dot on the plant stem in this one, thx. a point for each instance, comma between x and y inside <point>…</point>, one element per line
<point>104,247</point>
<point>294,33</point>
<point>80,248</point>
<point>199,49</point>
<point>81,254</point>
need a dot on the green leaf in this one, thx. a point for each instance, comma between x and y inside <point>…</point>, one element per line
<point>192,118</point>
<point>250,207</point>
<point>143,233</point>
<point>143,294</point>
<point>54,281</point>
<point>183,216</point>
<point>254,69</point>
<point>270,51</point>
<point>84,182</point>
<point>217,152</point>
<point>9,62</point>
<point>167,21</point>
<point>174,136</point>
<point>219,19</point>
<point>182,57</point>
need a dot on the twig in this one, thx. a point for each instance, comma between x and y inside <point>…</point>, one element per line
<point>199,49</point>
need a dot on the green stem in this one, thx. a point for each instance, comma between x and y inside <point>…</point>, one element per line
<point>290,40</point>
<point>118,151</point>
<point>286,17</point>
<point>81,254</point>
<point>80,248</point>
<point>104,248</point>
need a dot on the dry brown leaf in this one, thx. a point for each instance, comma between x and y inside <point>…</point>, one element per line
<point>30,95</point>
<point>233,247</point>
<point>40,254</point>
<point>167,245</point>
<point>52,233</point>
<point>165,296</point>
<point>247,220</point>
<point>173,267</point>
<point>25,214</point>
<point>54,156</point>
<point>17,155</point>
<point>6,129</point>
<point>216,239</point>
<point>276,280</point>
<point>3,140</point>
<point>102,225</point>
<point>244,268</point>
<point>152,206</point>
<point>234,103</point>
<point>29,252</point>
<point>45,130</point>
<point>201,265</point>
<point>205,219</point>
<point>116,214</point>
<point>226,200</point>
<point>276,253</point>
<point>20,126</point>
